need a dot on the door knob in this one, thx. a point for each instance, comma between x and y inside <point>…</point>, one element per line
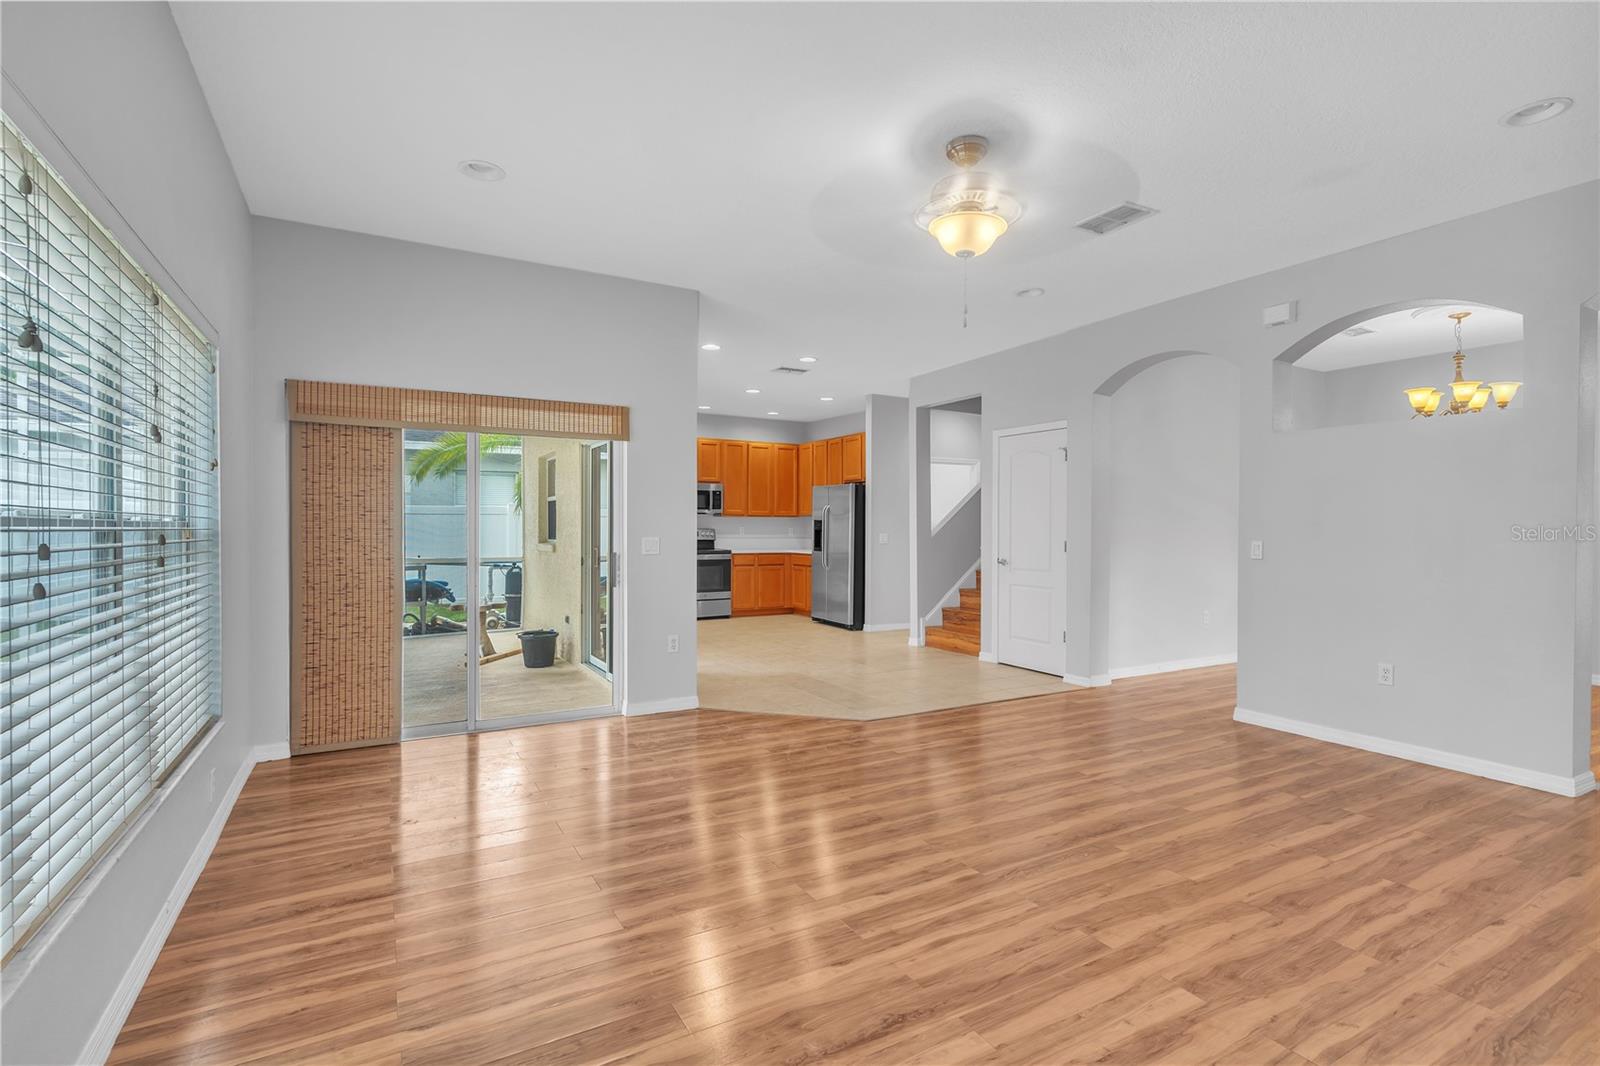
<point>1003,562</point>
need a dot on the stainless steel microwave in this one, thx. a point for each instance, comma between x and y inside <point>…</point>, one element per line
<point>708,499</point>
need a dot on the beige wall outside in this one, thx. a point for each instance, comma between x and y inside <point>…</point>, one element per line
<point>552,586</point>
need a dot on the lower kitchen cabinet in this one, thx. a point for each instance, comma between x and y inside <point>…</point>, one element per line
<point>744,583</point>
<point>772,582</point>
<point>800,583</point>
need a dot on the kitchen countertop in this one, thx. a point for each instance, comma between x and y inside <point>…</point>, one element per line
<point>771,551</point>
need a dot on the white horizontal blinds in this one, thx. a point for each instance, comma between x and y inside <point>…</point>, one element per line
<point>108,513</point>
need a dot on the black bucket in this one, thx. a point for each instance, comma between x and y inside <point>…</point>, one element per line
<point>538,647</point>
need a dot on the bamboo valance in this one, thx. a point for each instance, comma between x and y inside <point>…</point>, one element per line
<point>338,403</point>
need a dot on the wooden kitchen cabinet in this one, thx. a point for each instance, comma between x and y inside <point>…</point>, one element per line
<point>708,461</point>
<point>819,462</point>
<point>744,583</point>
<point>836,461</point>
<point>760,497</point>
<point>735,477</point>
<point>804,480</point>
<point>800,583</point>
<point>772,582</point>
<point>854,449</point>
<point>785,480</point>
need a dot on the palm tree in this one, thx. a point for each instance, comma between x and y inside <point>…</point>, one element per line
<point>447,453</point>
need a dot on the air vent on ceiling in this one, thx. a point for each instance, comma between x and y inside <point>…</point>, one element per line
<point>790,370</point>
<point>1116,218</point>
<point>1358,331</point>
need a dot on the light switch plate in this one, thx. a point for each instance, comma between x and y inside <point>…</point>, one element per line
<point>883,538</point>
<point>1255,549</point>
<point>650,546</point>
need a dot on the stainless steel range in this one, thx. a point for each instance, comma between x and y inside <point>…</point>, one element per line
<point>714,577</point>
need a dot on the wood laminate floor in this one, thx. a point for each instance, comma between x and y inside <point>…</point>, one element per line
<point>1118,875</point>
<point>789,664</point>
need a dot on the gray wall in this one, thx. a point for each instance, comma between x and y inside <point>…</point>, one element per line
<point>840,426</point>
<point>732,427</point>
<point>888,510</point>
<point>1174,494</point>
<point>1367,537</point>
<point>106,93</point>
<point>341,306</point>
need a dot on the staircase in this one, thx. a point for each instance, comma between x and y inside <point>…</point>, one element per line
<point>959,627</point>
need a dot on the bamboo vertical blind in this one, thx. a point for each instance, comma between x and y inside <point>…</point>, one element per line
<point>346,593</point>
<point>338,403</point>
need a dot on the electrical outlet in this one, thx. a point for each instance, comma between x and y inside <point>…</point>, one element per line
<point>1255,549</point>
<point>672,643</point>
<point>1386,673</point>
<point>650,546</point>
<point>1205,616</point>
<point>883,538</point>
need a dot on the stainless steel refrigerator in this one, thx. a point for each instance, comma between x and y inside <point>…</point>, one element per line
<point>838,554</point>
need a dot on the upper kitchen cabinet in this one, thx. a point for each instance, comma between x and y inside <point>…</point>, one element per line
<point>855,457</point>
<point>836,461</point>
<point>708,461</point>
<point>786,480</point>
<point>760,498</point>
<point>735,470</point>
<point>804,479</point>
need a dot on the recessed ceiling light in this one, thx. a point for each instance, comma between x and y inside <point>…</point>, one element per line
<point>711,347</point>
<point>481,170</point>
<point>772,412</point>
<point>827,399</point>
<point>753,392</point>
<point>705,407</point>
<point>1030,292</point>
<point>808,359</point>
<point>1538,111</point>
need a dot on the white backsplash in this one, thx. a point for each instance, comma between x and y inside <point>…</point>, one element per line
<point>759,534</point>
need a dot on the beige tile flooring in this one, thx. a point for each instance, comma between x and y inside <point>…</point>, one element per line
<point>788,664</point>
<point>434,682</point>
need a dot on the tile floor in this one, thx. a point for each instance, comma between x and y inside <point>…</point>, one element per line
<point>788,664</point>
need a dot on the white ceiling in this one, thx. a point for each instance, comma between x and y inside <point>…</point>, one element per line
<point>1412,332</point>
<point>771,155</point>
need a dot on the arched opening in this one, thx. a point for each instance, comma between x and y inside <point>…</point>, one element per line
<point>1166,515</point>
<point>1358,369</point>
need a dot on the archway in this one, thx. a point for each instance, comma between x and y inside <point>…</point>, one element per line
<point>1165,515</point>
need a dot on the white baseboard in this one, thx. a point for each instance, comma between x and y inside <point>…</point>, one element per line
<point>272,752</point>
<point>885,627</point>
<point>987,657</point>
<point>681,703</point>
<point>98,1047</point>
<point>1119,672</point>
<point>1448,760</point>
<point>1097,681</point>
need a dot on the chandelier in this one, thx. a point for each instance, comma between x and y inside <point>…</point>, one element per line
<point>1466,397</point>
<point>968,211</point>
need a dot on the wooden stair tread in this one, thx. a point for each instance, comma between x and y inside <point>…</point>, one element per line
<point>951,640</point>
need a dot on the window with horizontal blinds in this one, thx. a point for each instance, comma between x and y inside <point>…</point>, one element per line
<point>109,622</point>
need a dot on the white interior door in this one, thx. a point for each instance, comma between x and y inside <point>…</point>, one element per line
<point>1030,550</point>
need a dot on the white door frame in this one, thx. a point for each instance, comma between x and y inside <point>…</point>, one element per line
<point>989,641</point>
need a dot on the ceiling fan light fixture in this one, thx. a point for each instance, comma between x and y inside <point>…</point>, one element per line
<point>967,232</point>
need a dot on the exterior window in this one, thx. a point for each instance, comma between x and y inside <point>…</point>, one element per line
<point>109,644</point>
<point>547,489</point>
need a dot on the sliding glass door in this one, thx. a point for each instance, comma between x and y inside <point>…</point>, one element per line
<point>504,597</point>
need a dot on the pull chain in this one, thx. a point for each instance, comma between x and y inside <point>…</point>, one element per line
<point>964,260</point>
